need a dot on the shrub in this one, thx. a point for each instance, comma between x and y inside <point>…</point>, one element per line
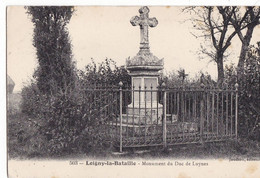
<point>105,74</point>
<point>71,122</point>
<point>249,94</point>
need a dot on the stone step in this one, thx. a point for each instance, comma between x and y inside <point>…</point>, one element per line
<point>144,111</point>
<point>148,119</point>
<point>137,115</point>
<point>141,119</point>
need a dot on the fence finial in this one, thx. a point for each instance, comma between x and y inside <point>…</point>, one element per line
<point>163,85</point>
<point>202,85</point>
<point>120,83</point>
<point>236,86</point>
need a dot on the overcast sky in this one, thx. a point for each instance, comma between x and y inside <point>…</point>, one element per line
<point>105,32</point>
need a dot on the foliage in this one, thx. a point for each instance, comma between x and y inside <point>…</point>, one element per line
<point>104,74</point>
<point>51,99</point>
<point>71,123</point>
<point>249,93</point>
<point>66,117</point>
<point>56,71</point>
<point>177,79</point>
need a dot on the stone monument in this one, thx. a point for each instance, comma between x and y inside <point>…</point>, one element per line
<point>144,70</point>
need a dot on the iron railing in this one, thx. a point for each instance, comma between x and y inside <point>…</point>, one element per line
<point>152,116</point>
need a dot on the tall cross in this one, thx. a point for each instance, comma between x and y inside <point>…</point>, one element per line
<point>144,21</point>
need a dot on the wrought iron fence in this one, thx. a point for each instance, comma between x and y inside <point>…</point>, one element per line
<point>151,116</point>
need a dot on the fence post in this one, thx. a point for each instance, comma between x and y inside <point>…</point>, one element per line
<point>164,117</point>
<point>236,110</point>
<point>121,105</point>
<point>202,112</point>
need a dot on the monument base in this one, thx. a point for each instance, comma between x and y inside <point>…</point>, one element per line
<point>173,129</point>
<point>144,114</point>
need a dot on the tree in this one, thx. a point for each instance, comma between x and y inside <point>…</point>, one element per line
<point>213,22</point>
<point>52,98</point>
<point>219,25</point>
<point>56,71</point>
<point>250,20</point>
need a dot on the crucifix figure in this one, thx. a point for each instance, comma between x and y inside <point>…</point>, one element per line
<point>144,21</point>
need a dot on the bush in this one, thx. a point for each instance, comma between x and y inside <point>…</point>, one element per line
<point>181,79</point>
<point>105,74</point>
<point>249,94</point>
<point>67,123</point>
<point>61,121</point>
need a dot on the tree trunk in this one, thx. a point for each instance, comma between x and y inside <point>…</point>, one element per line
<point>244,48</point>
<point>220,67</point>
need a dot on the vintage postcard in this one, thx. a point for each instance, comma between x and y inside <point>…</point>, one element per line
<point>133,91</point>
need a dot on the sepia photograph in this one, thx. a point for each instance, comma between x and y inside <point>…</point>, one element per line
<point>164,88</point>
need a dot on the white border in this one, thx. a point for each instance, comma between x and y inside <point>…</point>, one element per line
<point>134,2</point>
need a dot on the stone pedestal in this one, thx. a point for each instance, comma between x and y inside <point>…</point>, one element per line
<point>143,116</point>
<point>145,107</point>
